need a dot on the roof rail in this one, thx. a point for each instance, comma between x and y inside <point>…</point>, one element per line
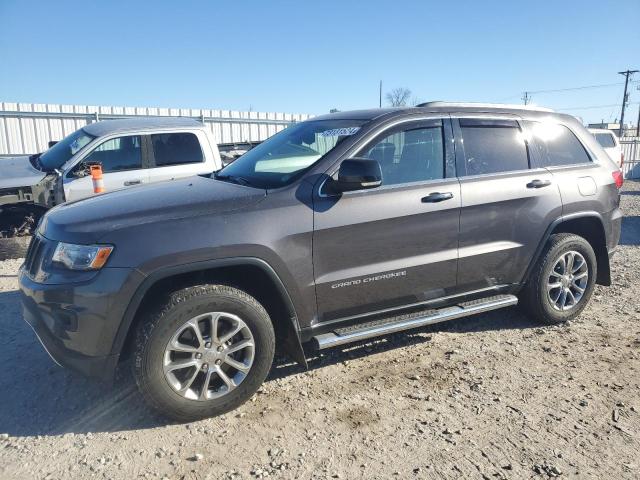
<point>484,105</point>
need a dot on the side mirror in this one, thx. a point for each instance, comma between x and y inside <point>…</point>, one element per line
<point>358,174</point>
<point>83,169</point>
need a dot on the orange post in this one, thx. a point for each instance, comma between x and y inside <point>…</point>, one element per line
<point>96,176</point>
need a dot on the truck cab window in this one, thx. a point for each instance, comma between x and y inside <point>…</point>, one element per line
<point>117,154</point>
<point>176,149</point>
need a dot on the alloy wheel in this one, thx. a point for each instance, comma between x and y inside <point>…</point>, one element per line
<point>209,356</point>
<point>568,281</point>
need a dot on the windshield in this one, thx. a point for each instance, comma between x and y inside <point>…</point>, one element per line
<point>62,151</point>
<point>280,159</point>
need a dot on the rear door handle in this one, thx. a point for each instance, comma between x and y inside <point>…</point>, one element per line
<point>436,197</point>
<point>538,183</point>
<point>128,183</point>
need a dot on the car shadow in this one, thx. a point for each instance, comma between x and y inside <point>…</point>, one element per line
<point>42,398</point>
<point>504,319</point>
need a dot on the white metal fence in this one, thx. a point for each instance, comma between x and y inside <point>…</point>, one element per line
<point>27,128</point>
<point>631,150</point>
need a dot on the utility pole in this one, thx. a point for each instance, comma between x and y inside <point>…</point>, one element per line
<point>626,74</point>
<point>380,92</point>
<point>526,97</point>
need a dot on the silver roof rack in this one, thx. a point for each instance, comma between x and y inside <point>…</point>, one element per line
<point>484,105</point>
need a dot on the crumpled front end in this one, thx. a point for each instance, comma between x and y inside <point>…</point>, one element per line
<point>21,207</point>
<point>47,192</point>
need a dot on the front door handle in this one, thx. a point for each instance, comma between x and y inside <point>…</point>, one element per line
<point>436,197</point>
<point>538,183</point>
<point>128,183</point>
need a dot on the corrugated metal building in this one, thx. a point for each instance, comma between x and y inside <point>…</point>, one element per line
<point>27,128</point>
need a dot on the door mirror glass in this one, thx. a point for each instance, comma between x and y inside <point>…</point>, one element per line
<point>358,174</point>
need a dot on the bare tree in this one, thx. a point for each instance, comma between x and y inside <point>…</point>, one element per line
<point>398,97</point>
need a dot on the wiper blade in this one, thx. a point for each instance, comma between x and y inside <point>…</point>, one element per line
<point>235,179</point>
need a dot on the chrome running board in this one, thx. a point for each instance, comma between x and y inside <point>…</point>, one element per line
<point>398,323</point>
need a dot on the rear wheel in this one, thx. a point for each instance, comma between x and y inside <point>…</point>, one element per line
<point>562,281</point>
<point>204,352</point>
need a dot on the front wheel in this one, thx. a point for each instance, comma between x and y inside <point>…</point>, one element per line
<point>562,280</point>
<point>204,352</point>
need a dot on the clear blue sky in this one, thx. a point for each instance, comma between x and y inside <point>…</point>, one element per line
<point>297,56</point>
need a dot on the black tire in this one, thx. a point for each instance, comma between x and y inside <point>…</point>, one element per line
<point>156,330</point>
<point>534,297</point>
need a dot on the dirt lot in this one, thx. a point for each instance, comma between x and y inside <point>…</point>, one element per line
<point>494,396</point>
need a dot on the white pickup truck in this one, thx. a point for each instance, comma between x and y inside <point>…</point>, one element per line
<point>131,152</point>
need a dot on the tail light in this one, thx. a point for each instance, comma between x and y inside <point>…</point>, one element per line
<point>618,178</point>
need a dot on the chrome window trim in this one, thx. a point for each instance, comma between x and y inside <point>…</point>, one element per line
<point>483,176</point>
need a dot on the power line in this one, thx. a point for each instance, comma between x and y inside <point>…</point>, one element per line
<point>584,87</point>
<point>596,106</point>
<point>526,96</point>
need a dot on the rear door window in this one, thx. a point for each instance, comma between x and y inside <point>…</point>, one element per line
<point>493,146</point>
<point>176,149</point>
<point>556,144</point>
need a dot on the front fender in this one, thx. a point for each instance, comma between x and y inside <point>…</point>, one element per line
<point>293,343</point>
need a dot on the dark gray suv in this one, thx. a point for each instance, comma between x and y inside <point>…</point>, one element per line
<point>338,229</point>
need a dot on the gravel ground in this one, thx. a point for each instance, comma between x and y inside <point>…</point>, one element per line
<point>493,396</point>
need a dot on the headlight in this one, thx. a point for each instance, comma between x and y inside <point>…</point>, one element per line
<point>81,257</point>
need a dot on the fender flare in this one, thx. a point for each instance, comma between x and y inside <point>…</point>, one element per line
<point>547,234</point>
<point>293,342</point>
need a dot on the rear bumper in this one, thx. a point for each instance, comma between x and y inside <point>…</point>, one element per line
<point>612,223</point>
<point>613,228</point>
<point>77,323</point>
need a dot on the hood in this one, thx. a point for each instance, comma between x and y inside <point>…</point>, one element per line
<point>18,172</point>
<point>86,221</point>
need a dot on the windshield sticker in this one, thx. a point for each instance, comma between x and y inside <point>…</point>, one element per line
<point>339,132</point>
<point>74,147</point>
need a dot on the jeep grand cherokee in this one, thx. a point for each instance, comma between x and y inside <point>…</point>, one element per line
<point>337,229</point>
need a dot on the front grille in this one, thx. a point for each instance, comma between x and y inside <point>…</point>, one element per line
<point>35,255</point>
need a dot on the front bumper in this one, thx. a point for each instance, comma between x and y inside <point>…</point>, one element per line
<point>77,322</point>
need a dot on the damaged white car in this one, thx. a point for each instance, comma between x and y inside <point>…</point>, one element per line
<point>130,151</point>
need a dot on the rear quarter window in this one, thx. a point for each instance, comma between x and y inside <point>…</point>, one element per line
<point>556,144</point>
